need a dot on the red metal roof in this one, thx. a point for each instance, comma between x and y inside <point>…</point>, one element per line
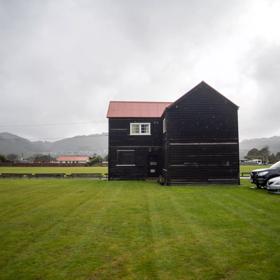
<point>72,158</point>
<point>136,109</point>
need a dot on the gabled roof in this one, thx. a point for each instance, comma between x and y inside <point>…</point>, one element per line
<point>72,158</point>
<point>143,109</point>
<point>136,109</point>
<point>203,85</point>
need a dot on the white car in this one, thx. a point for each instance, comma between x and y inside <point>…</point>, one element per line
<point>273,185</point>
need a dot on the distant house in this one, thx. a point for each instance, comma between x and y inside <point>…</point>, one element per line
<point>252,161</point>
<point>194,139</point>
<point>73,159</point>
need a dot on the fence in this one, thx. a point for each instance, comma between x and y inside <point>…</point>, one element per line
<point>99,176</point>
<point>40,164</point>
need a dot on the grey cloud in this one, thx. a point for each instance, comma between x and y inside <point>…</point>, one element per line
<point>263,68</point>
<point>267,69</point>
<point>63,60</point>
<point>266,74</point>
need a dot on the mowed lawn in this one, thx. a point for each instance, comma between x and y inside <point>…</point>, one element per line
<point>89,169</point>
<point>249,168</point>
<point>86,229</point>
<point>66,170</point>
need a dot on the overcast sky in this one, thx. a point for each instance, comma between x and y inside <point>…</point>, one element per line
<point>62,61</point>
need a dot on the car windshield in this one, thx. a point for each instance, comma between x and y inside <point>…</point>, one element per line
<point>275,165</point>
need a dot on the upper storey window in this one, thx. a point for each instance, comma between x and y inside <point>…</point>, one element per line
<point>140,129</point>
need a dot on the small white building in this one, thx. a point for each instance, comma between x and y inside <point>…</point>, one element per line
<point>251,161</point>
<point>73,159</point>
<point>257,161</point>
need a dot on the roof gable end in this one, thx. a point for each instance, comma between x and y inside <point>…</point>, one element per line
<point>200,86</point>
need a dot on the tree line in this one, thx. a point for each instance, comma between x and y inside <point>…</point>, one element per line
<point>42,158</point>
<point>264,154</point>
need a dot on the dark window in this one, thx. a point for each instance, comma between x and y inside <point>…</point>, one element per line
<point>126,157</point>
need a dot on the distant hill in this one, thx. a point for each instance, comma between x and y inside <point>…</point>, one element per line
<point>98,143</point>
<point>85,145</point>
<point>273,143</point>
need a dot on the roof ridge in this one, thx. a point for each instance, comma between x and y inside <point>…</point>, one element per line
<point>144,109</point>
<point>117,101</point>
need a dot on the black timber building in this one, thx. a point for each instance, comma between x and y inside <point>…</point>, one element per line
<point>194,139</point>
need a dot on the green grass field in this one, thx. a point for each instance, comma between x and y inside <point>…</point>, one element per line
<point>86,229</point>
<point>66,170</point>
<point>249,168</point>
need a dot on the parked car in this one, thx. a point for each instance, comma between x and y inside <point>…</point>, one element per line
<point>261,176</point>
<point>273,185</point>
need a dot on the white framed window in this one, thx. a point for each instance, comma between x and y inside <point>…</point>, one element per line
<point>140,129</point>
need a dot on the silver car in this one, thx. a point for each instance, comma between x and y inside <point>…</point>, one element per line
<point>273,185</point>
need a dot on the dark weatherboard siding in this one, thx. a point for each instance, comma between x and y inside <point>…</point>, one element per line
<point>201,139</point>
<point>194,139</point>
<point>134,156</point>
